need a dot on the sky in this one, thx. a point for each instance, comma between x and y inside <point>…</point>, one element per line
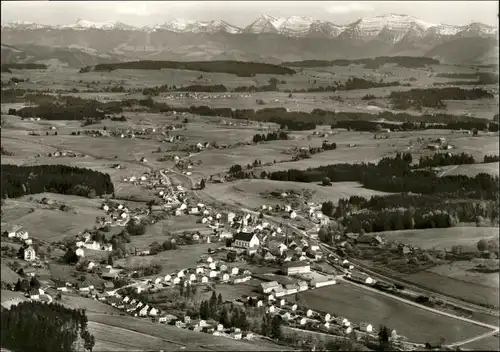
<point>242,13</point>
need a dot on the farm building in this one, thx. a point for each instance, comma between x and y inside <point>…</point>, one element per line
<point>279,291</point>
<point>290,289</point>
<point>302,286</point>
<point>246,240</point>
<point>323,281</point>
<point>366,327</point>
<point>361,278</point>
<point>293,268</point>
<point>277,248</point>
<point>29,254</point>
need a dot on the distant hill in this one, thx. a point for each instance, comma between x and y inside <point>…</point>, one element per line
<point>470,50</point>
<point>65,56</point>
<point>239,68</point>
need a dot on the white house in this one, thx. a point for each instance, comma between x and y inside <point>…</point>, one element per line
<point>144,311</point>
<point>293,214</point>
<point>366,327</point>
<point>328,317</point>
<point>282,302</point>
<point>309,313</point>
<point>192,277</point>
<point>303,321</point>
<point>180,273</point>
<point>277,247</point>
<point>176,280</point>
<point>271,309</point>
<point>153,312</point>
<point>212,266</point>
<point>235,271</point>
<point>167,278</point>
<point>79,252</point>
<point>199,270</point>
<point>302,286</point>
<point>29,254</point>
<point>246,240</point>
<point>225,277</point>
<point>157,280</point>
<point>213,274</point>
<point>22,234</point>
<point>296,268</point>
<point>204,279</point>
<point>279,291</point>
<point>294,307</point>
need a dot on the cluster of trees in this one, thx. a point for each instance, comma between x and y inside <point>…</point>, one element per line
<point>17,181</point>
<point>239,68</point>
<point>71,108</point>
<point>433,97</point>
<point>408,211</point>
<point>156,248</point>
<point>272,136</point>
<point>35,326</point>
<point>395,175</point>
<point>149,270</point>
<point>445,159</point>
<point>23,67</point>
<point>477,78</point>
<point>352,83</point>
<point>371,63</point>
<point>4,151</point>
<point>487,158</point>
<point>136,228</point>
<point>271,326</point>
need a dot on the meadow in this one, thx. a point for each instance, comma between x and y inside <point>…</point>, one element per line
<point>181,258</point>
<point>248,193</point>
<point>471,170</point>
<point>175,336</point>
<point>50,224</point>
<point>442,239</point>
<point>359,305</point>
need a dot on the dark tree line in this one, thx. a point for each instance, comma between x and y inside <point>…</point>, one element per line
<point>396,175</point>
<point>491,158</point>
<point>272,136</point>
<point>18,181</point>
<point>477,78</point>
<point>35,326</point>
<point>408,211</point>
<point>24,66</point>
<point>371,63</point>
<point>433,97</point>
<point>445,159</point>
<point>239,68</point>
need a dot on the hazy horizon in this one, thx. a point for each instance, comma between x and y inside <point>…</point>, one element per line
<point>242,13</point>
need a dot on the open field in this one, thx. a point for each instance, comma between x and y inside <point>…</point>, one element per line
<point>471,170</point>
<point>53,224</point>
<point>248,192</point>
<point>10,297</point>
<point>491,343</point>
<point>8,275</point>
<point>462,271</point>
<point>175,336</point>
<point>360,305</point>
<point>236,291</point>
<point>184,257</point>
<point>466,237</point>
<point>76,301</point>
<point>472,292</point>
<point>159,230</point>
<point>111,338</point>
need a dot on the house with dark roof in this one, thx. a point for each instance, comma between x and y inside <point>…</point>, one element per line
<point>246,240</point>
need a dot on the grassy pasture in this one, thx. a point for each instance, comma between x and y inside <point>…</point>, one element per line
<point>247,192</point>
<point>461,289</point>
<point>90,305</point>
<point>181,337</point>
<point>491,343</point>
<point>48,224</point>
<point>8,275</point>
<point>236,291</point>
<point>461,271</point>
<point>443,238</point>
<point>158,231</point>
<point>359,305</point>
<point>471,170</point>
<point>184,257</point>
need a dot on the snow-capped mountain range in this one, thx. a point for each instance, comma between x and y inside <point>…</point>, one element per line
<point>296,26</point>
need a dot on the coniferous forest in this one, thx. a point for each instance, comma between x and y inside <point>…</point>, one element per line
<point>36,326</point>
<point>18,181</point>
